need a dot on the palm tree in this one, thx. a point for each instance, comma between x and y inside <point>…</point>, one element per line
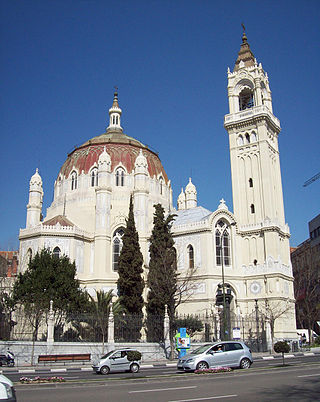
<point>101,307</point>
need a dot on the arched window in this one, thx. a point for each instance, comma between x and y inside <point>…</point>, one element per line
<point>191,256</point>
<point>120,177</point>
<point>246,99</point>
<point>223,243</point>
<point>94,177</point>
<point>161,184</point>
<point>247,138</point>
<point>74,180</point>
<point>252,208</point>
<point>29,255</point>
<point>240,140</point>
<point>253,137</point>
<point>250,182</point>
<point>56,252</point>
<point>116,247</point>
<point>175,262</point>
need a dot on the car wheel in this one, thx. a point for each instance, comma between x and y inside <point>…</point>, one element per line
<point>202,366</point>
<point>245,363</point>
<point>104,370</point>
<point>134,368</point>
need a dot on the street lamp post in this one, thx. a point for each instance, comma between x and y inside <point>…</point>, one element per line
<point>257,323</point>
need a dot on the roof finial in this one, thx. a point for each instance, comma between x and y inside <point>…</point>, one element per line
<point>244,36</point>
<point>245,55</point>
<point>115,113</point>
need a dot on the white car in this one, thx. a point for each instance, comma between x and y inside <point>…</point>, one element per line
<point>219,354</point>
<point>7,392</point>
<point>116,360</point>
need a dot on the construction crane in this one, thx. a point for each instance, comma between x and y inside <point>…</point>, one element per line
<point>314,178</point>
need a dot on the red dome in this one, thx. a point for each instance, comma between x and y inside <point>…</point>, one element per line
<point>120,147</point>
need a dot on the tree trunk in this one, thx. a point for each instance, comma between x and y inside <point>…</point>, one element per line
<point>272,333</point>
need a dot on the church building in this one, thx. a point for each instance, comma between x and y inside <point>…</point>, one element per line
<point>247,250</point>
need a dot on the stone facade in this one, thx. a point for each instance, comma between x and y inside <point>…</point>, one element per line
<point>249,247</point>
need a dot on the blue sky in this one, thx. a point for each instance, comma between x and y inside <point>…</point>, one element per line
<point>61,59</point>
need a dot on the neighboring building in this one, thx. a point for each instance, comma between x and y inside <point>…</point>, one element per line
<point>314,230</point>
<point>91,199</point>
<point>9,263</point>
<point>306,270</point>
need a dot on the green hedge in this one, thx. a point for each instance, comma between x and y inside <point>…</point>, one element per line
<point>133,355</point>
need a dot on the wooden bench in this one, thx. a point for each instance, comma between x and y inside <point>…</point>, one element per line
<point>80,357</point>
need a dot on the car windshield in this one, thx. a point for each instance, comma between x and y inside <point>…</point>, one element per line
<point>107,355</point>
<point>200,350</point>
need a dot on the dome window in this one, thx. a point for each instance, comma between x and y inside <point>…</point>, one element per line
<point>246,99</point>
<point>94,177</point>
<point>223,243</point>
<point>120,177</point>
<point>161,185</point>
<point>74,181</point>
<point>116,248</point>
<point>250,182</point>
<point>252,209</point>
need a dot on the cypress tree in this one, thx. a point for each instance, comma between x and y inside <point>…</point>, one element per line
<point>130,282</point>
<point>162,275</point>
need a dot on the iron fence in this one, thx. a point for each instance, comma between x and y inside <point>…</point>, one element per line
<point>137,328</point>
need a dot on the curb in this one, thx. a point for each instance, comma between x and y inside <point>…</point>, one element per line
<point>143,366</point>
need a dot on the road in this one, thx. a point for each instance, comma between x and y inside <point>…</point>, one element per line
<point>265,381</point>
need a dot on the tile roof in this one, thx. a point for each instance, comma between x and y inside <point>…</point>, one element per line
<point>62,220</point>
<point>191,215</point>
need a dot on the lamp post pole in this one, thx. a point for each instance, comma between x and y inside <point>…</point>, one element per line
<point>257,323</point>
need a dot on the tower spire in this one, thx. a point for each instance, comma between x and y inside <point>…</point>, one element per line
<point>245,55</point>
<point>115,114</point>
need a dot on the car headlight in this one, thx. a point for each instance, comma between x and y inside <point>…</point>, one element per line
<point>8,389</point>
<point>189,360</point>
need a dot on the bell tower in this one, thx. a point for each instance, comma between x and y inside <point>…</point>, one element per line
<point>263,250</point>
<point>253,134</point>
<point>255,165</point>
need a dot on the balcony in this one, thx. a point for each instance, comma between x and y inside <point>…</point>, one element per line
<point>256,111</point>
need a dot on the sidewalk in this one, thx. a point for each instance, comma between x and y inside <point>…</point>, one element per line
<point>60,368</point>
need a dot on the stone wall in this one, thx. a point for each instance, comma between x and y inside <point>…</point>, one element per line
<point>23,349</point>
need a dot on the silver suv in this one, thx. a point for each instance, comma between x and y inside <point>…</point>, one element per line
<point>116,360</point>
<point>226,354</point>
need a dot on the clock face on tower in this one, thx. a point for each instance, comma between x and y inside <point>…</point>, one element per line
<point>255,287</point>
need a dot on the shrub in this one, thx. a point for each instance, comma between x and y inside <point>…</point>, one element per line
<point>193,324</point>
<point>281,347</point>
<point>317,341</point>
<point>133,355</point>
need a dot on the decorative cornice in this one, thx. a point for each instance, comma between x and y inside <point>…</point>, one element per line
<point>57,231</point>
<point>255,114</point>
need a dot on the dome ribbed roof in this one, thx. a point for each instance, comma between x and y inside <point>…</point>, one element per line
<point>121,148</point>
